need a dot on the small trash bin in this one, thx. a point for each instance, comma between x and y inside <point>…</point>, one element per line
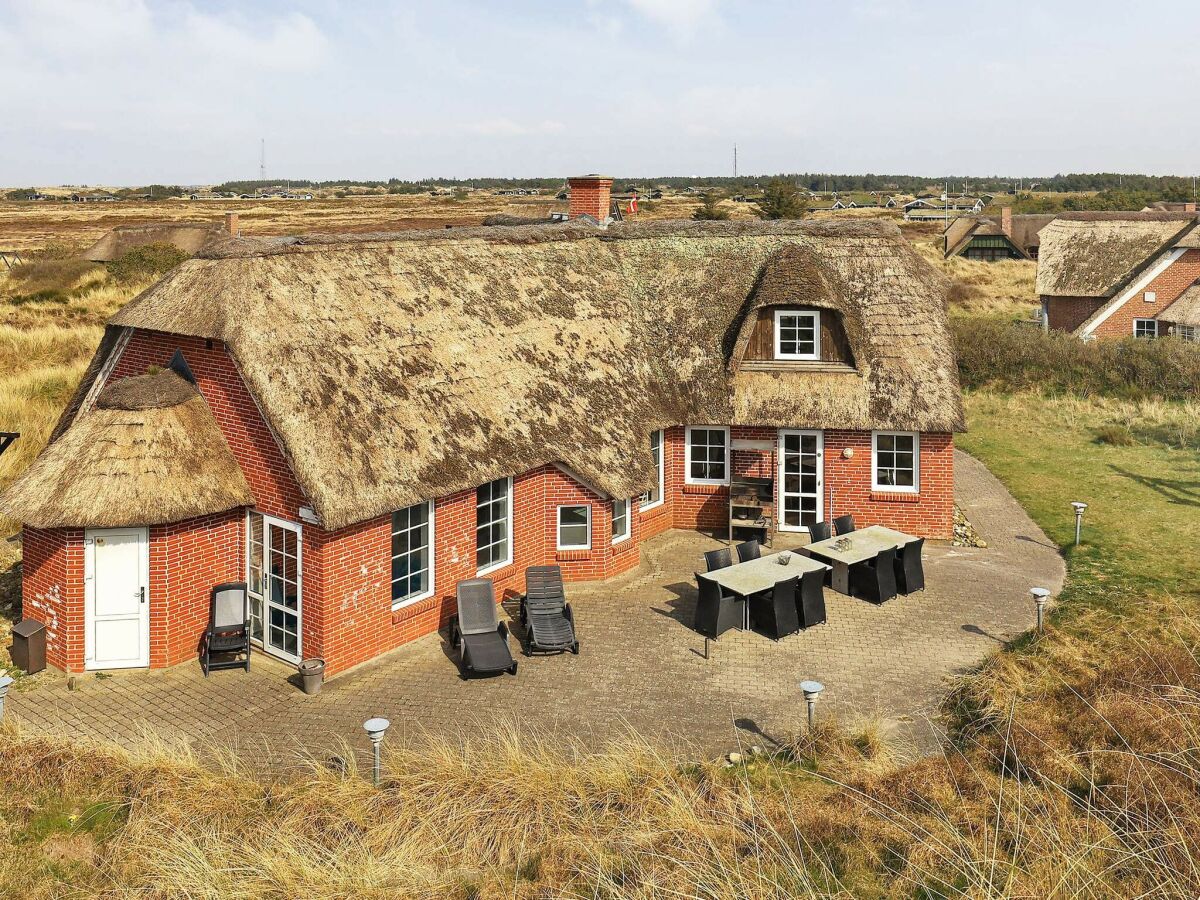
<point>312,673</point>
<point>29,646</point>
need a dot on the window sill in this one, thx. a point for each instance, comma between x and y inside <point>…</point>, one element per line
<point>651,508</point>
<point>705,487</point>
<point>572,555</point>
<point>414,608</point>
<point>880,496</point>
<point>797,365</point>
<point>479,573</point>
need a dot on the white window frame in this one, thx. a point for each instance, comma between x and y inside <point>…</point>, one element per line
<point>893,488</point>
<point>429,592</point>
<point>618,538</point>
<point>687,463</point>
<point>662,472</point>
<point>1186,333</point>
<point>1153,322</point>
<point>815,315</point>
<point>558,544</point>
<point>507,561</point>
<point>1150,296</point>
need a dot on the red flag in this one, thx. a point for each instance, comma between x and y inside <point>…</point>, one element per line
<point>633,205</point>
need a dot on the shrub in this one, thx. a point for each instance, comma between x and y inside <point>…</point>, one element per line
<point>961,293</point>
<point>51,275</point>
<point>709,209</point>
<point>146,262</point>
<point>782,200</point>
<point>992,353</point>
<point>1116,435</point>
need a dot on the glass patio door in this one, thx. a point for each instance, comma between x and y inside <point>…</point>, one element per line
<point>275,585</point>
<point>801,479</point>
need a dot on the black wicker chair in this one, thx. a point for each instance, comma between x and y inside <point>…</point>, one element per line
<point>810,605</point>
<point>748,551</point>
<point>875,579</point>
<point>843,524</point>
<point>228,631</point>
<point>718,559</point>
<point>477,633</point>
<point>545,612</point>
<point>716,611</point>
<point>774,612</point>
<point>819,531</point>
<point>910,571</point>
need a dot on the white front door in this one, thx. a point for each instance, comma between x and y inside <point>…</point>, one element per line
<point>801,479</point>
<point>276,585</point>
<point>116,615</point>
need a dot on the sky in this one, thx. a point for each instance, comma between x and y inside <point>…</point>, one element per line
<point>125,92</point>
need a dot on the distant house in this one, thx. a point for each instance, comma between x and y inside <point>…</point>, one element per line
<point>1111,275</point>
<point>925,209</point>
<point>93,198</point>
<point>991,238</point>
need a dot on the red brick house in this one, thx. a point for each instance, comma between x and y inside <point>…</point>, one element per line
<point>352,424</point>
<point>1114,275</point>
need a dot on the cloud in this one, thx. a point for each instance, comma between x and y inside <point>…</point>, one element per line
<point>683,18</point>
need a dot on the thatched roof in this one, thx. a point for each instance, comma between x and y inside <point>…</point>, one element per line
<point>148,452</point>
<point>395,368</point>
<point>1095,256</point>
<point>1186,308</point>
<point>190,238</point>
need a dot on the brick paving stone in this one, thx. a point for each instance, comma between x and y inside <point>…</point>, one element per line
<point>641,667</point>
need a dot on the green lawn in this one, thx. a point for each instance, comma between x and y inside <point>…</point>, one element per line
<point>1142,526</point>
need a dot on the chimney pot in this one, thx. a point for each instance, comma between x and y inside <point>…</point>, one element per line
<point>231,223</point>
<point>590,195</point>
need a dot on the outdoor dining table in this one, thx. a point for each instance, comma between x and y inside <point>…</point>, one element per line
<point>762,574</point>
<point>846,550</point>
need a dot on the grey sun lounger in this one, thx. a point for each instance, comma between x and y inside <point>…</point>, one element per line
<point>545,612</point>
<point>477,632</point>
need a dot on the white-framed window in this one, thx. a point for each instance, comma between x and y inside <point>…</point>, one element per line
<point>707,454</point>
<point>797,334</point>
<point>896,461</point>
<point>654,496</point>
<point>1145,328</point>
<point>1186,333</point>
<point>575,527</point>
<point>1150,296</point>
<point>620,520</point>
<point>493,525</point>
<point>412,554</point>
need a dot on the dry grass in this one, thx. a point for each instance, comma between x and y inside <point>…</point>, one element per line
<point>1004,289</point>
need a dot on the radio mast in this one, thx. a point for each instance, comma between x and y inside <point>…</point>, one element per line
<point>262,159</point>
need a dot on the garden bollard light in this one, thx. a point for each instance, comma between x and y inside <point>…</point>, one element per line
<point>5,683</point>
<point>1079,507</point>
<point>1040,595</point>
<point>812,690</point>
<point>376,728</point>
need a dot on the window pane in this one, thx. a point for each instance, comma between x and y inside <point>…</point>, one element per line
<point>491,523</point>
<point>411,552</point>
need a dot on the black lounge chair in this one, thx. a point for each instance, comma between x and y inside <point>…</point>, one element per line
<point>545,612</point>
<point>910,572</point>
<point>819,531</point>
<point>810,605</point>
<point>228,630</point>
<point>774,612</point>
<point>748,551</point>
<point>718,559</point>
<point>875,579</point>
<point>477,633</point>
<point>716,611</point>
<point>844,524</point>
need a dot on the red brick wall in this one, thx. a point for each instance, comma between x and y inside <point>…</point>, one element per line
<point>186,560</point>
<point>1068,313</point>
<point>1167,287</point>
<point>52,591</point>
<point>590,196</point>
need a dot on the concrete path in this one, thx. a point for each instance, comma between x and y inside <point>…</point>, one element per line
<point>642,667</point>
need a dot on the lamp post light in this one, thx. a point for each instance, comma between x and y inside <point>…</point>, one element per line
<point>376,728</point>
<point>5,683</point>
<point>1079,507</point>
<point>1040,596</point>
<point>812,690</point>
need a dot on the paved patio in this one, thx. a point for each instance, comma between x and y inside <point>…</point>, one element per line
<point>641,666</point>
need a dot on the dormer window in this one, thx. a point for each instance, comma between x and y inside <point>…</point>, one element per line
<point>797,334</point>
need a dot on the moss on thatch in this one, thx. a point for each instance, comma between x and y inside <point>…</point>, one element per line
<point>1095,256</point>
<point>1186,309</point>
<point>147,453</point>
<point>395,368</point>
<point>190,238</point>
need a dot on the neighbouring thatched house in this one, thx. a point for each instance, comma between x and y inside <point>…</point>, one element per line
<point>190,237</point>
<point>1104,275</point>
<point>992,238</point>
<point>375,417</point>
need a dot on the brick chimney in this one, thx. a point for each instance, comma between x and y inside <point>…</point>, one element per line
<point>1189,206</point>
<point>590,195</point>
<point>1006,220</point>
<point>231,223</point>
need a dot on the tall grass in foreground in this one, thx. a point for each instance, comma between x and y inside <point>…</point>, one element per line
<point>1079,784</point>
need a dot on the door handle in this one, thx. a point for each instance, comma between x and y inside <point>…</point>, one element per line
<point>142,594</point>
